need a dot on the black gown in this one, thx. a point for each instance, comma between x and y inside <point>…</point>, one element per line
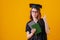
<point>40,36</point>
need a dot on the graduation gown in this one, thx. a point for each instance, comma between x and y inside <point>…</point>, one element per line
<point>42,35</point>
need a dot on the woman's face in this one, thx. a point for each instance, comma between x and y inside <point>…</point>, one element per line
<point>34,13</point>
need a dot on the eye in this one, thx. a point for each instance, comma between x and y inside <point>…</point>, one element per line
<point>34,11</point>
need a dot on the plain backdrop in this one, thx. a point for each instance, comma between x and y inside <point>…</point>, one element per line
<point>15,14</point>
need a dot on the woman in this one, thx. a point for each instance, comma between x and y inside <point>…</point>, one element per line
<point>35,16</point>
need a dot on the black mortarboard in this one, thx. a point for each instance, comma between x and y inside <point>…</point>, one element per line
<point>37,6</point>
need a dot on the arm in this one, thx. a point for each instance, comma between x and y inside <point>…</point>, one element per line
<point>29,35</point>
<point>46,25</point>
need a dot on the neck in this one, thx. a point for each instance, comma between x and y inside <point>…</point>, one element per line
<point>35,20</point>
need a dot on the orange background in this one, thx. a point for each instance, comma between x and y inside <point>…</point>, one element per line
<point>15,14</point>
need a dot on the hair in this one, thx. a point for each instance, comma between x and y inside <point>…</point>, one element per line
<point>39,16</point>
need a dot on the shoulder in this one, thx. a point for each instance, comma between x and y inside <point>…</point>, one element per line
<point>28,22</point>
<point>28,27</point>
<point>41,20</point>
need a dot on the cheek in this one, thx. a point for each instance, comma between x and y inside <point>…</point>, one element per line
<point>32,14</point>
<point>36,14</point>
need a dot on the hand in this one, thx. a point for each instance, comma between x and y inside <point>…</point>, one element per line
<point>44,18</point>
<point>29,35</point>
<point>46,24</point>
<point>33,30</point>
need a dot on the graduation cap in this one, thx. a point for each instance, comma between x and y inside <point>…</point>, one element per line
<point>37,6</point>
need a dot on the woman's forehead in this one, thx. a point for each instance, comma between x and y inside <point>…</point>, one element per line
<point>34,9</point>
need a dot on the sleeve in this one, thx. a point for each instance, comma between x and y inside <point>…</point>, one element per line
<point>28,28</point>
<point>43,23</point>
<point>46,25</point>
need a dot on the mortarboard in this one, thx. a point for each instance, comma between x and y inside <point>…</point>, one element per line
<point>37,6</point>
